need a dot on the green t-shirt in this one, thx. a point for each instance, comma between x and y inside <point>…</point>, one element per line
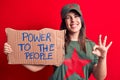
<point>77,64</point>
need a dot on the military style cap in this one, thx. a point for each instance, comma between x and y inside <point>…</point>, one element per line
<point>67,8</point>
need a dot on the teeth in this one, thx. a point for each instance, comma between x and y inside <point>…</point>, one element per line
<point>73,25</point>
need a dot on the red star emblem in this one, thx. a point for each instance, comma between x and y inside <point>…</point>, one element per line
<point>75,65</point>
<point>71,6</point>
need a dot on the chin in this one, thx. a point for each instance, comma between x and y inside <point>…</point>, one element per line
<point>74,31</point>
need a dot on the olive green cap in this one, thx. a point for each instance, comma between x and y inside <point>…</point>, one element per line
<point>67,8</point>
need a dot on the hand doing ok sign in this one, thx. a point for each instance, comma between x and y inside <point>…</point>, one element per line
<point>101,49</point>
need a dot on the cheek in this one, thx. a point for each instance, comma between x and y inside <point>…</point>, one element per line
<point>80,23</point>
<point>67,22</point>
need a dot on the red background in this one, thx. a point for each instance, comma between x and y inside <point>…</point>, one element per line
<point>101,17</point>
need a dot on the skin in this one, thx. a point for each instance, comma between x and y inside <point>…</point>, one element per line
<point>73,24</point>
<point>33,68</point>
<point>100,69</point>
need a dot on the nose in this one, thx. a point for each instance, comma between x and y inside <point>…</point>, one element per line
<point>72,19</point>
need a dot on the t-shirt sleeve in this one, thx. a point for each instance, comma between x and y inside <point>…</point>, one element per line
<point>89,48</point>
<point>95,57</point>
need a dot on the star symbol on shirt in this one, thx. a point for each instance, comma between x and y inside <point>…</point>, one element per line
<point>75,65</point>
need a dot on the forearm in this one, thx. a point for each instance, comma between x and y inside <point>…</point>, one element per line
<point>34,68</point>
<point>100,70</point>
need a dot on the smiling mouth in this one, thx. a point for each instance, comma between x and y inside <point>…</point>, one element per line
<point>73,25</point>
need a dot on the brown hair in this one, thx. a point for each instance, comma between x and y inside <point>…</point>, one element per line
<point>81,38</point>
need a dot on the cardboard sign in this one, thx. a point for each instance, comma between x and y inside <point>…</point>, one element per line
<point>45,46</point>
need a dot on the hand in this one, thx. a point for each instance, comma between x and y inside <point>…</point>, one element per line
<point>7,48</point>
<point>101,49</point>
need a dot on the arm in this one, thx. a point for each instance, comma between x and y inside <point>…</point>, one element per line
<point>33,68</point>
<point>100,69</point>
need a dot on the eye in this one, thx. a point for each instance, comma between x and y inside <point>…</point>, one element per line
<point>67,17</point>
<point>76,16</point>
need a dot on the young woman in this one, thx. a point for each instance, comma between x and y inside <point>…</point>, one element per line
<point>82,56</point>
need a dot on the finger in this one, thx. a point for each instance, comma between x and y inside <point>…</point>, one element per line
<point>8,49</point>
<point>95,47</point>
<point>7,45</point>
<point>109,45</point>
<point>96,53</point>
<point>6,52</point>
<point>100,42</point>
<point>104,42</point>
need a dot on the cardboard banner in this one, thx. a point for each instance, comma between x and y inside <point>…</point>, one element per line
<point>45,46</point>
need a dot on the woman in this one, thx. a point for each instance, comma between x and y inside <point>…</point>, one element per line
<point>79,66</point>
<point>82,56</point>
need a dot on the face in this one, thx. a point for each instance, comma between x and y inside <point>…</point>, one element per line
<point>73,22</point>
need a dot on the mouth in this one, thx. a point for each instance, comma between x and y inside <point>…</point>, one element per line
<point>73,25</point>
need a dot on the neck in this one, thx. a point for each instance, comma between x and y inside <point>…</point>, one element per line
<point>74,36</point>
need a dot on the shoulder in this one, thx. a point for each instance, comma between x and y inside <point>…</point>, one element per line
<point>90,42</point>
<point>89,48</point>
